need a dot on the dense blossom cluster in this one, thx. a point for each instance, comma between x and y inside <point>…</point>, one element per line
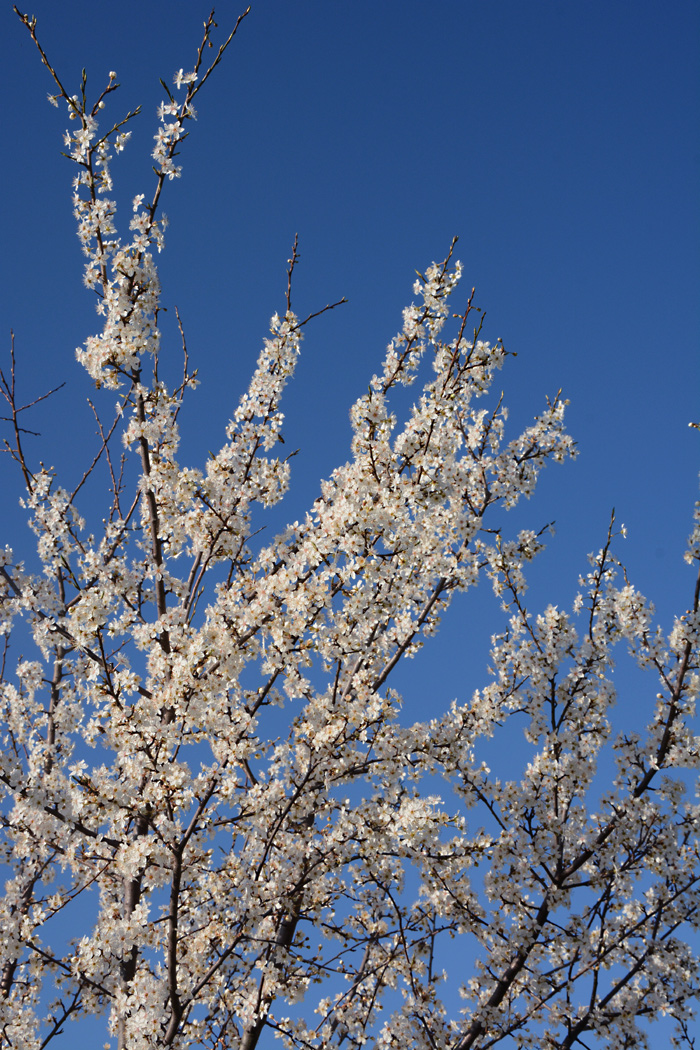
<point>205,770</point>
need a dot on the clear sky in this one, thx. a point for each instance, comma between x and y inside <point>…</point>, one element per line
<point>559,139</point>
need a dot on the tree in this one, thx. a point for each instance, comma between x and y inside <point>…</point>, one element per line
<point>208,738</point>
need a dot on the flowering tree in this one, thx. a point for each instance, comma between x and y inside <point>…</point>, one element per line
<point>205,771</point>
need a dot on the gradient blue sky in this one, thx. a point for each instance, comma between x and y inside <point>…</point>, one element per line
<point>559,140</point>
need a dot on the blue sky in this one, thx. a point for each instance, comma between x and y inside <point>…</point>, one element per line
<point>559,140</point>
